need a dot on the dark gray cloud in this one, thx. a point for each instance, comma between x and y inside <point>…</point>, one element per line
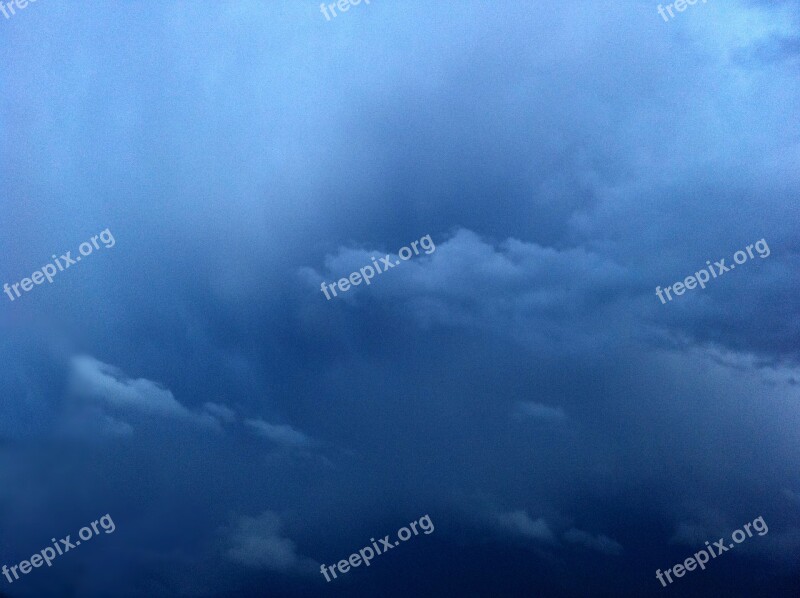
<point>522,383</point>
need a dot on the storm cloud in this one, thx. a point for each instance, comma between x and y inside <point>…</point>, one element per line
<point>567,432</point>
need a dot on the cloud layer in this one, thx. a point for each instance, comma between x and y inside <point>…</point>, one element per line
<point>522,383</point>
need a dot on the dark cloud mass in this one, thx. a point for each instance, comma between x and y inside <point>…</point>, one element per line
<point>518,380</point>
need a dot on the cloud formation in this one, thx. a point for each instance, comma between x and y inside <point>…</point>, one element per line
<point>281,434</point>
<point>600,543</point>
<point>537,411</point>
<point>520,523</point>
<point>108,386</point>
<point>259,542</point>
<point>527,359</point>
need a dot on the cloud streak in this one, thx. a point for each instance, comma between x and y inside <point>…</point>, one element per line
<point>111,389</point>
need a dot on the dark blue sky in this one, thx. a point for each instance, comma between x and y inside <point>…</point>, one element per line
<point>567,433</point>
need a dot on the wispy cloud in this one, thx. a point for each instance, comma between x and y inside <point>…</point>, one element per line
<point>600,543</point>
<point>110,388</point>
<point>279,434</point>
<point>520,523</point>
<point>259,542</point>
<point>541,412</point>
<point>221,412</point>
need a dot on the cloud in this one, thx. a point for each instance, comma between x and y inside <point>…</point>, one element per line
<point>528,291</point>
<point>221,412</point>
<point>258,542</point>
<point>541,412</point>
<point>279,434</point>
<point>590,172</point>
<point>89,420</point>
<point>600,543</point>
<point>520,523</point>
<point>94,380</point>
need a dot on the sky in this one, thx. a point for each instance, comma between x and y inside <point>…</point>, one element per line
<point>520,382</point>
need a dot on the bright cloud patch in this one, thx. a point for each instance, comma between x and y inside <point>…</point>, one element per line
<point>108,385</point>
